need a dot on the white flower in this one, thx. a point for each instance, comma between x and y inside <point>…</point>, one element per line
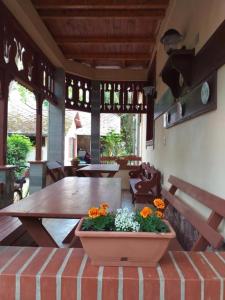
<point>124,220</point>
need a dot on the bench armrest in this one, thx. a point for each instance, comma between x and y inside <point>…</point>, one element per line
<point>145,186</point>
<point>135,173</point>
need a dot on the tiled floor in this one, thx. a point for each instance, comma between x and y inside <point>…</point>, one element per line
<point>59,228</point>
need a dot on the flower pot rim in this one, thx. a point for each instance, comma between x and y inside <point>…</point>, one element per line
<point>123,234</point>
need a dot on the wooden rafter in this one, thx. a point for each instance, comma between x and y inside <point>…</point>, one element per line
<point>98,13</point>
<point>109,56</point>
<point>62,40</point>
<point>101,4</point>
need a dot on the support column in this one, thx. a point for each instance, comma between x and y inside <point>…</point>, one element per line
<point>6,172</point>
<point>95,122</point>
<point>4,93</point>
<point>39,101</point>
<point>38,167</point>
<point>150,95</point>
<point>56,125</point>
<point>7,178</point>
<point>37,175</point>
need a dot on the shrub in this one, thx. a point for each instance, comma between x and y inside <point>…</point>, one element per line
<point>18,147</point>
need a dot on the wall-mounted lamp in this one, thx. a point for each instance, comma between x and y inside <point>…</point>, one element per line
<point>149,90</point>
<point>171,40</point>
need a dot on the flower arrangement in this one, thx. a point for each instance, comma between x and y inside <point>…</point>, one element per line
<point>149,219</point>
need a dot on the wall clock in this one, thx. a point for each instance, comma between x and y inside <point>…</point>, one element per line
<point>205,93</point>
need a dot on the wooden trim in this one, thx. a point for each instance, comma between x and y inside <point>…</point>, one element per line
<point>39,101</point>
<point>4,92</point>
<point>45,14</point>
<point>110,56</point>
<point>63,40</point>
<point>213,52</point>
<point>100,4</point>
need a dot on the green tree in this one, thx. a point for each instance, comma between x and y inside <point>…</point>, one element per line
<point>127,134</point>
<point>18,147</point>
<point>112,144</point>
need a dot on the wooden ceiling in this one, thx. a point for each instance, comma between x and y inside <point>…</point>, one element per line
<point>104,33</point>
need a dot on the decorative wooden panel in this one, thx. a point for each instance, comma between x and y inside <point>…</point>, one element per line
<point>78,93</point>
<point>116,97</point>
<point>22,59</point>
<point>123,97</point>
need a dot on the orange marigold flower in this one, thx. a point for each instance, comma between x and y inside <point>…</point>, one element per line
<point>159,214</point>
<point>104,206</point>
<point>159,203</point>
<point>145,212</point>
<point>93,212</point>
<point>102,211</point>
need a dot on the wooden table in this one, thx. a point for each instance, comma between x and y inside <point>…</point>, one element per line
<point>69,198</point>
<point>97,170</point>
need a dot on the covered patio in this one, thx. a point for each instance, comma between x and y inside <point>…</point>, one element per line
<point>163,60</point>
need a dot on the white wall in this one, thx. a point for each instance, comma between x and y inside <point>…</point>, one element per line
<point>193,150</point>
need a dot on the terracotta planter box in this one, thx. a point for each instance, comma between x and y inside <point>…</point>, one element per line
<point>124,248</point>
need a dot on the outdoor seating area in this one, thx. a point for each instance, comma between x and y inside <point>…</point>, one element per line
<point>130,206</point>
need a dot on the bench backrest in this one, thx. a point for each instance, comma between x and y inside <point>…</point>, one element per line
<point>107,159</point>
<point>131,159</point>
<point>208,234</point>
<point>55,170</point>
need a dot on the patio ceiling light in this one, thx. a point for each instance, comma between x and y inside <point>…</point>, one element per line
<point>171,40</point>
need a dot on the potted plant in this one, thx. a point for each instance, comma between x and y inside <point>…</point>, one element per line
<point>75,161</point>
<point>125,238</point>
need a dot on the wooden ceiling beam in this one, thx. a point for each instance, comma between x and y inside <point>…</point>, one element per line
<point>109,56</point>
<point>104,40</point>
<point>101,4</point>
<point>87,14</point>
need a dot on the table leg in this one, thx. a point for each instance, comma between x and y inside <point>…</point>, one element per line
<point>70,235</point>
<point>38,232</point>
<point>75,242</point>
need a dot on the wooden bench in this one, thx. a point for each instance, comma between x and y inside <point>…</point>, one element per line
<point>55,171</point>
<point>66,274</point>
<point>145,184</point>
<point>107,159</point>
<point>13,233</point>
<point>186,221</point>
<point>126,162</point>
<point>11,229</point>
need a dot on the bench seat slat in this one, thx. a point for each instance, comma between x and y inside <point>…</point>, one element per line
<point>211,235</point>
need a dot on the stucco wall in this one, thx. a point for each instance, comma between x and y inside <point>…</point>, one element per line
<point>193,150</point>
